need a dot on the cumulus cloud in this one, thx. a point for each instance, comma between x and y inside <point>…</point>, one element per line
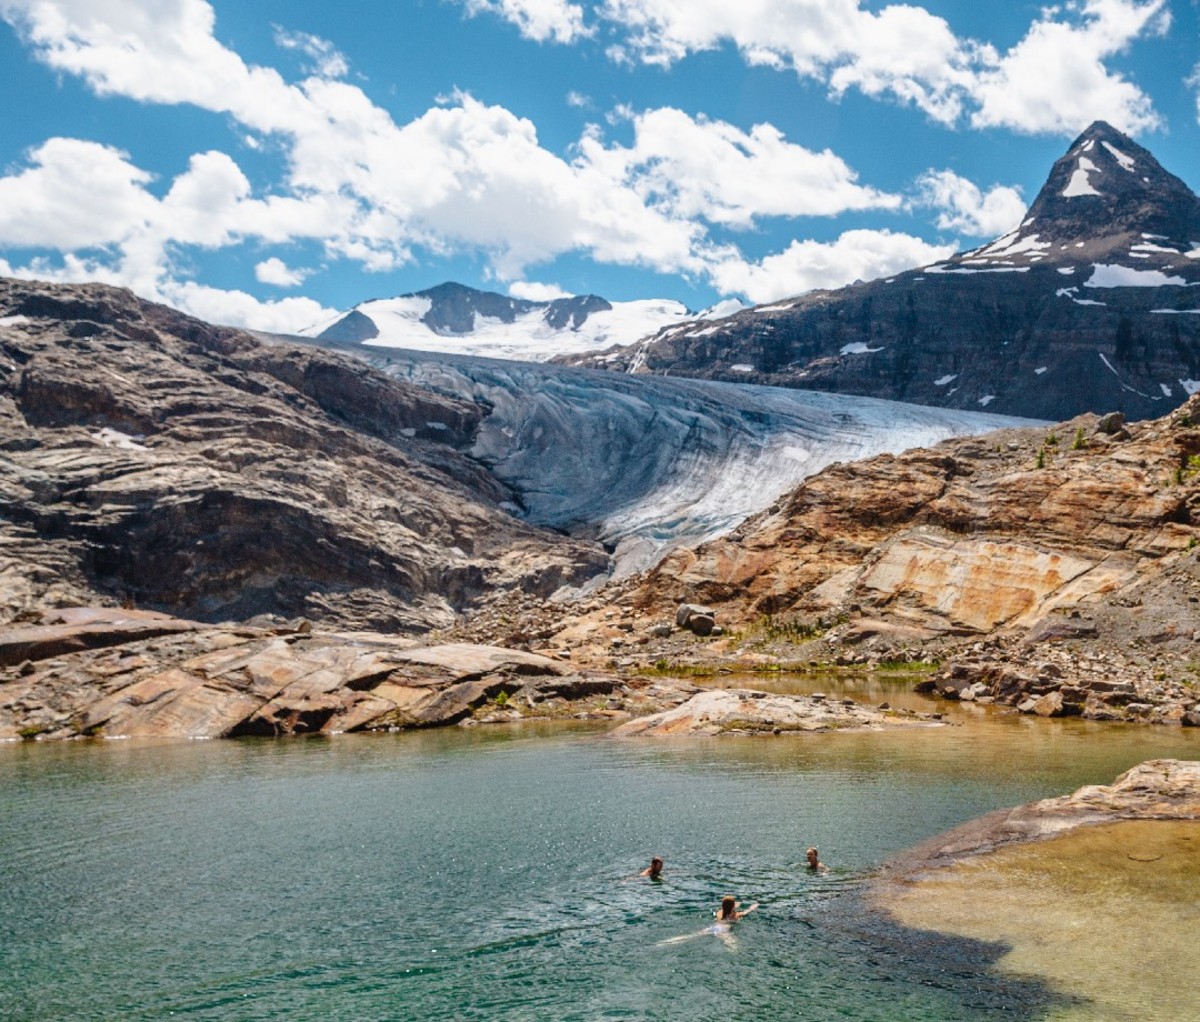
<point>534,292</point>
<point>540,20</point>
<point>276,272</point>
<point>237,308</point>
<point>73,195</point>
<point>1054,80</point>
<point>462,177</point>
<point>694,167</point>
<point>805,265</point>
<point>966,209</point>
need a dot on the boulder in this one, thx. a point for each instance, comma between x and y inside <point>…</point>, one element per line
<point>696,619</point>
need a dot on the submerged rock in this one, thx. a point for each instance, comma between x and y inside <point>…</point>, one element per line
<point>744,711</point>
<point>1158,789</point>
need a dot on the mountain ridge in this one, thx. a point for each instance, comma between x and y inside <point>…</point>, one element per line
<point>1090,304</point>
<point>454,318</point>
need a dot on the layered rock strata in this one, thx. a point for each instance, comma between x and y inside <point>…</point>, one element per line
<point>1056,562</point>
<point>151,459</point>
<point>109,673</point>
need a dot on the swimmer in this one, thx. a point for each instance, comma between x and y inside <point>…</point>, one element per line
<point>725,917</point>
<point>815,865</point>
<point>728,912</point>
<point>654,870</point>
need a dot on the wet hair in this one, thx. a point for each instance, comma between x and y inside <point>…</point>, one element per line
<point>656,861</point>
<point>811,851</point>
<point>728,906</point>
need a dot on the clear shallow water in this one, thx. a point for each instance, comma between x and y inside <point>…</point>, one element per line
<point>481,874</point>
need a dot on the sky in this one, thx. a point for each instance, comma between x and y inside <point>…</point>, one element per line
<point>270,163</point>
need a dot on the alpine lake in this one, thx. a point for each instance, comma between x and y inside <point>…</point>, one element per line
<point>492,873</point>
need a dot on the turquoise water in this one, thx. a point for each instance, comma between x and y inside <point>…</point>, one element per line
<point>484,874</point>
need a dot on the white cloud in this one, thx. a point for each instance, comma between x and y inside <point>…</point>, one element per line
<point>275,271</point>
<point>326,60</point>
<point>534,292</point>
<point>540,20</point>
<point>1194,83</point>
<point>1055,80</point>
<point>73,195</point>
<point>1052,81</point>
<point>805,265</point>
<point>966,209</point>
<point>696,168</point>
<point>578,100</point>
<point>462,177</point>
<point>236,308</point>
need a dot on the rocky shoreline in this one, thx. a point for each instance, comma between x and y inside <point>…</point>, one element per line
<point>1160,789</point>
<point>108,673</point>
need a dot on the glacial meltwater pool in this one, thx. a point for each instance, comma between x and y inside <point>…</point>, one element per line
<point>486,874</point>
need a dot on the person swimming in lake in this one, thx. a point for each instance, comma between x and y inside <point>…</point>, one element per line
<point>729,913</point>
<point>722,927</point>
<point>654,870</point>
<point>813,858</point>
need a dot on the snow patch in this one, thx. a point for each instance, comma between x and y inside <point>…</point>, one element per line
<point>1175,312</point>
<point>1066,270</point>
<point>13,320</point>
<point>1080,183</point>
<point>1040,369</point>
<point>1105,275</point>
<point>115,438</point>
<point>987,399</point>
<point>1165,389</point>
<point>1123,159</point>
<point>858,348</point>
<point>1190,387</point>
<point>777,307</point>
<point>945,379</point>
<point>741,367</point>
<point>981,269</point>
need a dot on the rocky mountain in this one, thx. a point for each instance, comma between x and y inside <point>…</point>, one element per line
<point>456,319</point>
<point>151,459</point>
<point>1092,303</point>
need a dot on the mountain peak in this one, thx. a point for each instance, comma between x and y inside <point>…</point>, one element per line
<point>1106,184</point>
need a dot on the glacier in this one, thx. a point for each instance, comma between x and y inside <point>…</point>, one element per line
<point>646,463</point>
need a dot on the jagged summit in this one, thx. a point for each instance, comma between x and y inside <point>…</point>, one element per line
<point>1106,200</point>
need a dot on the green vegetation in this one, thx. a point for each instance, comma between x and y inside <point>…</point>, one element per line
<point>1041,457</point>
<point>1051,440</point>
<point>1079,443</point>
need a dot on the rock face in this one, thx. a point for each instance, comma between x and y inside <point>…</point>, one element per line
<point>152,459</point>
<point>1159,789</point>
<point>1028,562</point>
<point>1088,305</point>
<point>741,711</point>
<point>114,673</point>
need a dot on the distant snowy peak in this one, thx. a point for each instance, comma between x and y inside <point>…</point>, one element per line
<point>455,319</point>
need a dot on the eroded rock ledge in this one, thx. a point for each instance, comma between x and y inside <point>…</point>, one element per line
<point>111,673</point>
<point>1159,789</point>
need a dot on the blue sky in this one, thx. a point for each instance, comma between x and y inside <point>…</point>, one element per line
<point>266,163</point>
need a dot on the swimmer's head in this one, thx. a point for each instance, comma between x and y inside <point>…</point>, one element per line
<point>728,904</point>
